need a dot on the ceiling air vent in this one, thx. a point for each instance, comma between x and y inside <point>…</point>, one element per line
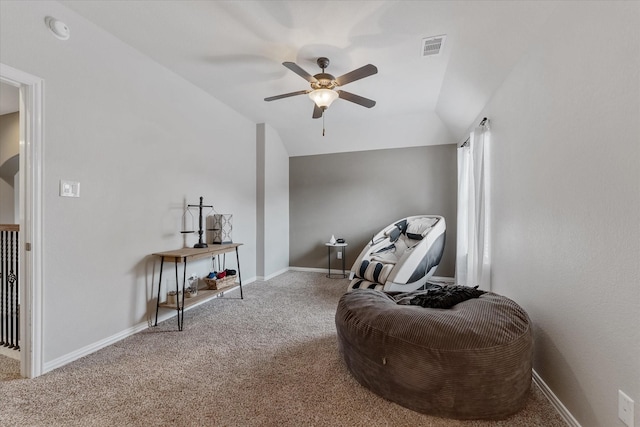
<point>432,46</point>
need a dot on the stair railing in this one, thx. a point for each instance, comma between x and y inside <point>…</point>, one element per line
<point>9,301</point>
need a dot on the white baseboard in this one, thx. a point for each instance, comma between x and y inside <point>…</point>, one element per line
<point>319,270</point>
<point>309,269</point>
<point>272,275</point>
<point>555,402</point>
<point>92,348</point>
<point>334,271</point>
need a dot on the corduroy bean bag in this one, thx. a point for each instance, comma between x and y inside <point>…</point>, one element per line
<point>470,361</point>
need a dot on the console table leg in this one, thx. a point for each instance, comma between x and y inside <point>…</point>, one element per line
<point>159,285</point>
<point>239,274</point>
<point>177,297</point>
<point>184,280</point>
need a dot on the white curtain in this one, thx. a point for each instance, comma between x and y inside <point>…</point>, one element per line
<point>473,255</point>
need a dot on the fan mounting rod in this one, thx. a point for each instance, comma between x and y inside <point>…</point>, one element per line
<point>323,80</point>
<point>323,62</point>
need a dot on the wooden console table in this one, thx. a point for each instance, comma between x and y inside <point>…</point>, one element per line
<point>191,254</point>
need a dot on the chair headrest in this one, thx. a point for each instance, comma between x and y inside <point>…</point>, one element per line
<point>395,232</point>
<point>418,228</point>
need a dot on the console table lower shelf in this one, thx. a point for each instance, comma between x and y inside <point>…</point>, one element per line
<point>189,254</point>
<point>203,295</point>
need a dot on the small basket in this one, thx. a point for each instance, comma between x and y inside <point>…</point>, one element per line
<point>211,283</point>
<point>219,283</point>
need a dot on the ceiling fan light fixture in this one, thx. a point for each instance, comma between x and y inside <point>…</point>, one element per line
<point>323,97</point>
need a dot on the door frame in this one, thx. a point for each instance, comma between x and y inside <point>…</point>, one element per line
<point>31,217</point>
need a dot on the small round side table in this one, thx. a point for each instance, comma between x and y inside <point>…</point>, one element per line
<point>343,249</point>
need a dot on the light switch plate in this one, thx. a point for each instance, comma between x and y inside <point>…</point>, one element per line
<point>69,188</point>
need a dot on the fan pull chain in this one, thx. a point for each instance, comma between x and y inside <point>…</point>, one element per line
<point>323,125</point>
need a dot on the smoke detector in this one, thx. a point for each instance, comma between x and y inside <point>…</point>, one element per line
<point>57,28</point>
<point>432,46</point>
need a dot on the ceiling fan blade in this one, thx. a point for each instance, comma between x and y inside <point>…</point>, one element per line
<point>357,99</point>
<point>317,111</point>
<point>299,71</point>
<point>286,95</point>
<point>357,74</point>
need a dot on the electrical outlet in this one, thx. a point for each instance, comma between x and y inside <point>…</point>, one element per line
<point>625,408</point>
<point>69,188</point>
<point>339,254</point>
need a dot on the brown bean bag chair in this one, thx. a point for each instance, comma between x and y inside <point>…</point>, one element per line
<point>470,361</point>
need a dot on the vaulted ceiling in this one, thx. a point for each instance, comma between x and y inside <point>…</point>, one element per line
<point>234,50</point>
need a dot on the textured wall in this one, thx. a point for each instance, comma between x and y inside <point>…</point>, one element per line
<point>566,203</point>
<point>142,142</point>
<point>9,136</point>
<point>354,195</point>
<point>9,165</point>
<point>272,191</point>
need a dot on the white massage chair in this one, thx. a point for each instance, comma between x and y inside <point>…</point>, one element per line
<point>402,256</point>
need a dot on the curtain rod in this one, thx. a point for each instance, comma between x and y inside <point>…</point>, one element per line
<point>466,142</point>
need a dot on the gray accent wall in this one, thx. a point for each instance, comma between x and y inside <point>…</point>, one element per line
<point>354,195</point>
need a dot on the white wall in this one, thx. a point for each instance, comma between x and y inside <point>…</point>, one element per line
<point>16,197</point>
<point>9,136</point>
<point>9,165</point>
<point>273,202</point>
<point>142,142</point>
<point>566,203</point>
<point>276,204</point>
<point>7,203</point>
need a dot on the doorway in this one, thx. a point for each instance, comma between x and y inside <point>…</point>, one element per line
<point>29,211</point>
<point>9,232</point>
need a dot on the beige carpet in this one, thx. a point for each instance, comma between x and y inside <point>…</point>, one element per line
<point>268,360</point>
<point>9,369</point>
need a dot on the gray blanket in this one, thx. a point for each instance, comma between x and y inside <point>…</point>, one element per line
<point>438,296</point>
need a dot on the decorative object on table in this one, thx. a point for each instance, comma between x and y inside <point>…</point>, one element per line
<point>218,280</point>
<point>332,240</point>
<point>192,290</point>
<point>172,297</point>
<point>201,243</point>
<point>212,282</point>
<point>340,240</point>
<point>222,226</point>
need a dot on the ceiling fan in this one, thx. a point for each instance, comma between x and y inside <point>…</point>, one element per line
<point>323,85</point>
